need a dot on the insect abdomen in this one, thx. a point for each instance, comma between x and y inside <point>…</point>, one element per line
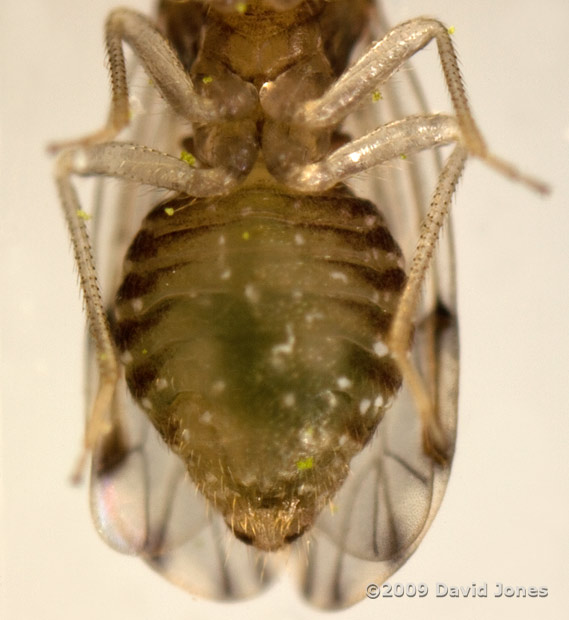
<point>258,316</point>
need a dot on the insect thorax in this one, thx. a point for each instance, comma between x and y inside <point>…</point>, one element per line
<point>251,327</point>
<point>300,51</point>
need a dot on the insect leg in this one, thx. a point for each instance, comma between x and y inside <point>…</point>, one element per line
<point>434,441</point>
<point>99,422</point>
<point>147,166</point>
<point>166,71</point>
<point>374,68</point>
<point>406,136</point>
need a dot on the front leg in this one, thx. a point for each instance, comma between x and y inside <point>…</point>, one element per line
<point>374,68</point>
<point>167,73</point>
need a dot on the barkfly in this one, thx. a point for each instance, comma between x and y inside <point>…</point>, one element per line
<point>290,339</point>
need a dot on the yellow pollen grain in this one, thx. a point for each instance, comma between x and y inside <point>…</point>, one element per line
<point>304,464</point>
<point>82,215</point>
<point>188,157</point>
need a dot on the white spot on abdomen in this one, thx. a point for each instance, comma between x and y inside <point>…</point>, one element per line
<point>285,348</point>
<point>310,317</point>
<point>161,384</point>
<point>252,293</point>
<point>380,348</point>
<point>205,417</point>
<point>289,400</point>
<point>344,383</point>
<point>339,275</point>
<point>218,386</point>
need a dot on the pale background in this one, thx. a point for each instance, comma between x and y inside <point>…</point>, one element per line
<point>504,517</point>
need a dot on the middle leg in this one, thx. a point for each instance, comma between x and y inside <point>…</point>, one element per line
<point>374,68</point>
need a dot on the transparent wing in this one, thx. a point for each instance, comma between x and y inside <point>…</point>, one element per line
<point>143,503</point>
<point>394,490</point>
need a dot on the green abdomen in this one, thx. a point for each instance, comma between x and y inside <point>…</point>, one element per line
<point>267,312</point>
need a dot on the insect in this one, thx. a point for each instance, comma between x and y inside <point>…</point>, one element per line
<point>270,376</point>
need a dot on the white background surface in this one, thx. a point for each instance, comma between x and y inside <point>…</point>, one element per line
<point>504,518</point>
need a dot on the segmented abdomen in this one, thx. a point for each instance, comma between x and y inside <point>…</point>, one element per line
<point>271,307</point>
